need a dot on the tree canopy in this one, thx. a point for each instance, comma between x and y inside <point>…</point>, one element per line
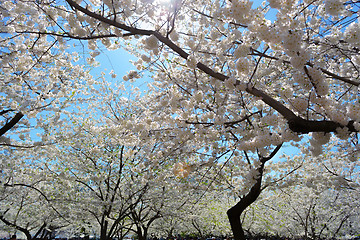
<point>232,82</point>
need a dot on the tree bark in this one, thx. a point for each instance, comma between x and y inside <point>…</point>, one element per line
<point>140,234</point>
<point>235,212</point>
<point>103,230</point>
<point>11,123</point>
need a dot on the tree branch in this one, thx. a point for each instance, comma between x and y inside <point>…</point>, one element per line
<point>108,21</point>
<point>296,124</point>
<point>23,230</point>
<point>11,123</point>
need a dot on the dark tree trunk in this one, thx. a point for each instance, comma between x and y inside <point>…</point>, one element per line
<point>103,231</point>
<point>235,212</point>
<point>141,235</point>
<point>235,223</point>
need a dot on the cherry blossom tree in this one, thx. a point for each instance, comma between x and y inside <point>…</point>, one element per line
<point>197,213</point>
<point>207,217</point>
<point>26,205</point>
<point>301,211</point>
<point>39,76</point>
<point>316,201</point>
<point>110,174</point>
<point>231,78</point>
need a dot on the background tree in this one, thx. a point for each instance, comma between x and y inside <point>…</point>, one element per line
<point>109,172</point>
<point>315,202</point>
<point>26,206</point>
<point>303,212</point>
<point>207,217</point>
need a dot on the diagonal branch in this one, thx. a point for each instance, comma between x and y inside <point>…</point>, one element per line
<point>11,123</point>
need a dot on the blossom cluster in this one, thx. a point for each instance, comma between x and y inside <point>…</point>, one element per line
<point>334,7</point>
<point>317,79</point>
<point>239,10</point>
<point>352,33</point>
